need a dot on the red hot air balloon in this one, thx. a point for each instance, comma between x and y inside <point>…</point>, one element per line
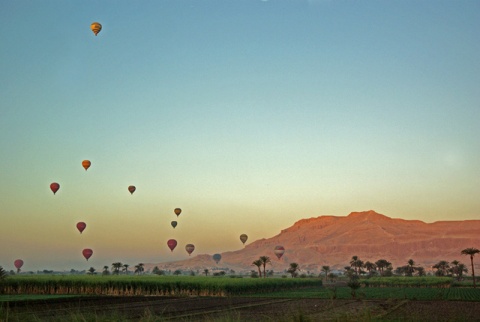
<point>243,238</point>
<point>87,253</point>
<point>81,226</point>
<point>86,164</point>
<point>172,243</point>
<point>190,248</point>
<point>131,189</point>
<point>177,211</point>
<point>54,187</point>
<point>18,264</point>
<point>279,251</point>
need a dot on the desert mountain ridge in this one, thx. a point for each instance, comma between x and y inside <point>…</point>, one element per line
<point>333,240</point>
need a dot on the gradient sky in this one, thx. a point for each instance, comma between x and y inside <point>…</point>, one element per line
<point>249,115</point>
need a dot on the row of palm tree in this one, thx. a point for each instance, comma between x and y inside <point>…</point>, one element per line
<point>443,268</point>
<point>381,265</point>
<point>118,268</point>
<point>262,261</point>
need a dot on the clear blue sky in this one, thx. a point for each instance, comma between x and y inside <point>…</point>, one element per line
<point>249,115</point>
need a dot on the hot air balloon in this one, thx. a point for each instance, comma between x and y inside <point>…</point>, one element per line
<point>96,27</point>
<point>132,189</point>
<point>279,250</point>
<point>174,224</point>
<point>54,187</point>
<point>243,238</point>
<point>81,226</point>
<point>190,248</point>
<point>172,243</point>
<point>217,258</point>
<point>18,264</point>
<point>87,253</point>
<point>178,211</point>
<point>86,164</point>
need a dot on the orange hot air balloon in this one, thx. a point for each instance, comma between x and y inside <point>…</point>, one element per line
<point>190,248</point>
<point>174,224</point>
<point>279,251</point>
<point>18,264</point>
<point>87,253</point>
<point>86,164</point>
<point>54,187</point>
<point>96,27</point>
<point>243,238</point>
<point>81,226</point>
<point>132,189</point>
<point>178,211</point>
<point>172,243</point>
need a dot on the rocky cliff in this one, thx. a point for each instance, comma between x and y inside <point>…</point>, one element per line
<point>332,240</point>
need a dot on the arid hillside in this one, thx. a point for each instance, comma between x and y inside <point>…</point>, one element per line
<point>333,240</point>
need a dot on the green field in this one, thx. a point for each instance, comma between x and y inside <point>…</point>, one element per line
<point>426,288</point>
<point>380,293</point>
<point>149,285</point>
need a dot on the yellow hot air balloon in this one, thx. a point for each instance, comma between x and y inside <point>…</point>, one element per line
<point>96,27</point>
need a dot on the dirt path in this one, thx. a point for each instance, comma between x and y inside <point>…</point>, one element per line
<point>244,309</point>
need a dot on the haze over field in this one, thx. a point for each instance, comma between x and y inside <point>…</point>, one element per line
<point>247,115</point>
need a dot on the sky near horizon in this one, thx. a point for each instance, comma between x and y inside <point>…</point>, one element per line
<point>249,115</point>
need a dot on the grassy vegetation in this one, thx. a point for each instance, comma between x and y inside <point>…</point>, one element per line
<point>379,293</point>
<point>403,281</point>
<point>148,285</point>
<point>32,297</point>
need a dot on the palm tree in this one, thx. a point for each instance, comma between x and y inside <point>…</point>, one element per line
<point>294,267</point>
<point>442,268</point>
<point>205,271</point>
<point>471,251</point>
<point>410,269</point>
<point>3,273</point>
<point>326,269</point>
<point>125,268</point>
<point>116,268</point>
<point>139,268</point>
<point>353,263</point>
<point>91,271</point>
<point>258,263</point>
<point>265,260</point>
<point>356,263</point>
<point>383,265</point>
<point>369,266</point>
<point>420,271</point>
<point>105,270</point>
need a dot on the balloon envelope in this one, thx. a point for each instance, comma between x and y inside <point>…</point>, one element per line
<point>279,251</point>
<point>86,164</point>
<point>178,211</point>
<point>131,189</point>
<point>243,238</point>
<point>174,224</point>
<point>18,263</point>
<point>54,187</point>
<point>96,27</point>
<point>190,248</point>
<point>217,258</point>
<point>87,253</point>
<point>81,226</point>
<point>172,243</point>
